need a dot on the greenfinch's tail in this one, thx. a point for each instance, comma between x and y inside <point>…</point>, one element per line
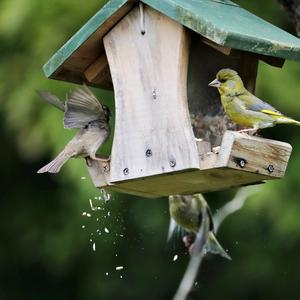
<point>287,120</point>
<point>213,246</point>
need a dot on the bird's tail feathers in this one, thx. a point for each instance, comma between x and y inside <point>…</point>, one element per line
<point>55,165</point>
<point>213,246</point>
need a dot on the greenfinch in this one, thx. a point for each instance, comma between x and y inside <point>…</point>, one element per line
<point>244,108</point>
<point>192,213</point>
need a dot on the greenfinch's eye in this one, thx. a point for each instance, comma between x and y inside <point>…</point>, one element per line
<point>222,80</point>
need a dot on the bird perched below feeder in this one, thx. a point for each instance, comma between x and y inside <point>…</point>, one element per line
<point>193,214</point>
<point>242,107</point>
<point>83,111</point>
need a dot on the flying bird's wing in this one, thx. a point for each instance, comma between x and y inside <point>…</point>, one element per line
<point>82,107</point>
<point>52,99</point>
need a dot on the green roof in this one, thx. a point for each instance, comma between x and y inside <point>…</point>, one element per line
<point>222,22</point>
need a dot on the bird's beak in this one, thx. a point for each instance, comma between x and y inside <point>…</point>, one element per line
<point>215,83</point>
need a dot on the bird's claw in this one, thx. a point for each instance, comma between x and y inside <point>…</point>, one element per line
<point>249,131</point>
<point>105,162</point>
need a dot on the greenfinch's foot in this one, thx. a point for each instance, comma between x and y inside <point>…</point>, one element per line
<point>249,131</point>
<point>102,159</point>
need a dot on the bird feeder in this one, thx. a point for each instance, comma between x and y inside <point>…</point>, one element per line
<point>158,56</point>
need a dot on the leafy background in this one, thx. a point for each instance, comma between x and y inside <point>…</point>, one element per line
<point>46,254</point>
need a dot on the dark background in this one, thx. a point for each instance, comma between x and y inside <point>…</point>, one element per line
<point>44,251</point>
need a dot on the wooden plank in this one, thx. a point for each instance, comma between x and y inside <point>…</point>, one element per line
<point>222,49</point>
<point>97,71</point>
<point>153,134</point>
<point>188,182</point>
<point>241,160</point>
<point>100,175</point>
<point>258,155</point>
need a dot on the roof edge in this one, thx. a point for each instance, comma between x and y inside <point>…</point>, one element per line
<point>105,12</point>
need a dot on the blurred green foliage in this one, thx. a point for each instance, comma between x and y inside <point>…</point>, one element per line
<point>46,254</point>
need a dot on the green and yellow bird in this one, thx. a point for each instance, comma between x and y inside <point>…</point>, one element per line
<point>244,108</point>
<point>192,213</point>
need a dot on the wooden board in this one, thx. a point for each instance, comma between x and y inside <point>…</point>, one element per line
<point>153,134</point>
<point>241,160</point>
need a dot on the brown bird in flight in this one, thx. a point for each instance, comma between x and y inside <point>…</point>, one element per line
<point>83,111</point>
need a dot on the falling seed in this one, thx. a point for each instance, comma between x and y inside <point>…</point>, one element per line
<point>88,215</point>
<point>121,235</point>
<point>95,198</point>
<point>84,213</point>
<point>116,254</point>
<point>83,178</point>
<point>83,226</point>
<point>92,206</point>
<point>108,213</point>
<point>119,268</point>
<point>106,230</point>
<point>121,276</point>
<point>91,240</point>
<point>97,219</point>
<point>94,247</point>
<point>175,257</point>
<point>106,273</point>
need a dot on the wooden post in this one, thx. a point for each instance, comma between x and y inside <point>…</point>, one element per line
<point>153,133</point>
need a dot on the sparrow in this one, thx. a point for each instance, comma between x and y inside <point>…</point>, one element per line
<point>82,111</point>
<point>244,108</point>
<point>192,213</point>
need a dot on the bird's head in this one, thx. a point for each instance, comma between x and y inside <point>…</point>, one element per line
<point>228,82</point>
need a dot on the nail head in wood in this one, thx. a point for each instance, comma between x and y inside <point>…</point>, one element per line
<point>148,152</point>
<point>270,169</point>
<point>172,163</point>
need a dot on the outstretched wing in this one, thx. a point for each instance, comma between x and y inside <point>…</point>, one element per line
<point>82,107</point>
<point>52,99</point>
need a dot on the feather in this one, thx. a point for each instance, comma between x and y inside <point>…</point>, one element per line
<point>52,99</point>
<point>82,107</point>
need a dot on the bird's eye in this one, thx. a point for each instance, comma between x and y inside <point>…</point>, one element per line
<point>222,80</point>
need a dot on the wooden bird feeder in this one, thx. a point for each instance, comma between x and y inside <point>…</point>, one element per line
<point>158,57</point>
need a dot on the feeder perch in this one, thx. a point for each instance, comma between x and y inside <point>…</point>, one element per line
<point>171,135</point>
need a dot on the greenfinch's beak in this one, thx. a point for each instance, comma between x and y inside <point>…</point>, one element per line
<point>215,83</point>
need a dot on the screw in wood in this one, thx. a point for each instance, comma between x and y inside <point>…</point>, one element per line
<point>242,163</point>
<point>126,171</point>
<point>154,94</point>
<point>172,163</point>
<point>148,152</point>
<point>270,169</point>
